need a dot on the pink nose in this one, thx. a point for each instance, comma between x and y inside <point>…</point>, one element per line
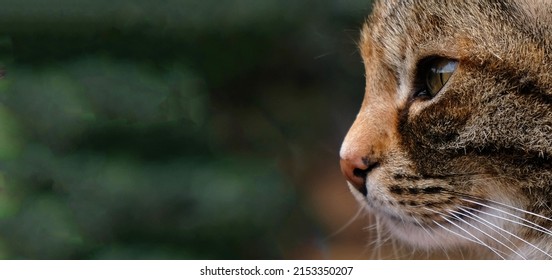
<point>355,170</point>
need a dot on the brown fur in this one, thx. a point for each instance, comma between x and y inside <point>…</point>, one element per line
<point>487,135</point>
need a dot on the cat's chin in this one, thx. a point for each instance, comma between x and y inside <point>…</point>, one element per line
<point>419,236</point>
<point>407,230</point>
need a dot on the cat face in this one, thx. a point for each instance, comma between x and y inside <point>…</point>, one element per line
<point>453,142</point>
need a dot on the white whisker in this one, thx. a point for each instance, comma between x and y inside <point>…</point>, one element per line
<point>537,228</point>
<point>505,231</point>
<point>511,207</point>
<point>396,254</point>
<point>432,237</point>
<point>478,241</point>
<point>473,236</point>
<point>486,234</point>
<point>349,223</point>
<point>457,234</point>
<point>377,253</point>
<point>486,223</point>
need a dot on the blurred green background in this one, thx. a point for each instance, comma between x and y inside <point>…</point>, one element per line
<point>175,129</point>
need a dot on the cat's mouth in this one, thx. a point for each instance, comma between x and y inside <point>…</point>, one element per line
<point>443,217</point>
<point>429,220</point>
<point>432,219</point>
<point>428,212</point>
<point>432,228</point>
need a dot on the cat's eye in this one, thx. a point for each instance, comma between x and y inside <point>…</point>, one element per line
<point>437,72</point>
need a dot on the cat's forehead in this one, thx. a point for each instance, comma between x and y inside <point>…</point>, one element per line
<point>395,27</point>
<point>395,17</point>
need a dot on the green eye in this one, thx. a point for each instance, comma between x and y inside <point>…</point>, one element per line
<point>437,74</point>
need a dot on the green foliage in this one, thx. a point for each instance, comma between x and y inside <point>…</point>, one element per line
<point>139,129</point>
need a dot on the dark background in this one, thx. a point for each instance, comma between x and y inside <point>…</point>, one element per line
<point>178,129</point>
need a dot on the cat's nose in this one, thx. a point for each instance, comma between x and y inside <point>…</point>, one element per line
<point>368,141</point>
<point>352,169</point>
<point>355,170</point>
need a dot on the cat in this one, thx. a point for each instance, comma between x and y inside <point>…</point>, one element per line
<point>452,146</point>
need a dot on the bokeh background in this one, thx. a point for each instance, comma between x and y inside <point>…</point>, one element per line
<point>178,129</point>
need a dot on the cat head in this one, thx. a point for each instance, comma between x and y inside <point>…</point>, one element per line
<point>453,142</point>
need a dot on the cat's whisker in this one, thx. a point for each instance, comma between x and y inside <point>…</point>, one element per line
<point>486,223</point>
<point>482,220</point>
<point>509,214</point>
<point>466,238</point>
<point>456,233</point>
<point>370,243</point>
<point>378,242</point>
<point>432,237</point>
<point>518,209</point>
<point>453,175</point>
<point>393,244</point>
<point>486,234</point>
<point>349,223</point>
<point>387,238</point>
<point>475,239</point>
<point>395,249</point>
<point>499,203</point>
<point>383,240</point>
<point>510,220</point>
